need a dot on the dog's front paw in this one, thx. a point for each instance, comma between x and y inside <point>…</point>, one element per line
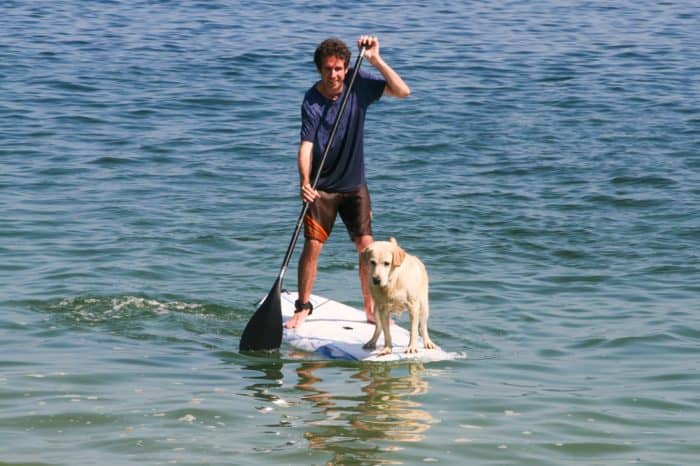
<point>430,345</point>
<point>370,345</point>
<point>386,350</point>
<point>411,349</point>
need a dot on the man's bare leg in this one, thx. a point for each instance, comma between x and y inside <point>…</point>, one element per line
<point>306,275</point>
<point>361,243</point>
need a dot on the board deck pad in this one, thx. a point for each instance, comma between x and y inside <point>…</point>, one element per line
<point>337,331</point>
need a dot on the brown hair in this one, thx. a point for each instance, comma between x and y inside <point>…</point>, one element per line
<point>331,48</point>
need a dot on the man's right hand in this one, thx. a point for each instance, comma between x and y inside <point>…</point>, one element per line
<point>308,193</point>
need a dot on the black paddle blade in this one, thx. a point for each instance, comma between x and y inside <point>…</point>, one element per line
<point>264,329</point>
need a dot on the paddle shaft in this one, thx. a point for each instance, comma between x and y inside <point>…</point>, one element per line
<point>305,207</point>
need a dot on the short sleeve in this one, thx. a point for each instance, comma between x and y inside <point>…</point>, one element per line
<point>372,87</point>
<point>309,121</point>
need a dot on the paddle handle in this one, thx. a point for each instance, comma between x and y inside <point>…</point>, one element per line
<point>305,207</point>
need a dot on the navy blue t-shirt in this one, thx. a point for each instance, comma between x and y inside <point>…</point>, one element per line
<point>344,168</point>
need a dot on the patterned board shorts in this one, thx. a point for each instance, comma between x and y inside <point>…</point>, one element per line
<point>355,210</point>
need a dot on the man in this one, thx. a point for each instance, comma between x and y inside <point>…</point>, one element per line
<point>342,186</point>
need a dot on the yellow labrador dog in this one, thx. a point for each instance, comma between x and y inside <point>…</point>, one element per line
<point>397,281</point>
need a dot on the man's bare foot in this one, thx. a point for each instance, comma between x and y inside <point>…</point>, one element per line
<point>369,315</point>
<point>297,319</point>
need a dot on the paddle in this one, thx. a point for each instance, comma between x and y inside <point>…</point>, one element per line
<point>264,329</point>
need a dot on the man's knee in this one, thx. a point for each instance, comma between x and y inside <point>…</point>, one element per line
<point>312,248</point>
<point>361,242</point>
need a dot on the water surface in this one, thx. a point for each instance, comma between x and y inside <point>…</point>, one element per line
<point>545,168</point>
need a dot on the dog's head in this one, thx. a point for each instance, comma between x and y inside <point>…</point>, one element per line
<point>383,257</point>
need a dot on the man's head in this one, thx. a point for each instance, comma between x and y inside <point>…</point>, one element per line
<point>332,59</point>
<point>332,48</point>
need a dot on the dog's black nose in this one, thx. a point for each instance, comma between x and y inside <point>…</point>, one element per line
<point>376,280</point>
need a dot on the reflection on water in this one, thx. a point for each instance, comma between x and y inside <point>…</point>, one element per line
<point>270,378</point>
<point>371,413</point>
<point>347,413</point>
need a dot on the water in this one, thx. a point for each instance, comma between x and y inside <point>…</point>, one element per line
<point>545,169</point>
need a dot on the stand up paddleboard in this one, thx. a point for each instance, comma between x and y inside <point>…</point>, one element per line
<point>337,331</point>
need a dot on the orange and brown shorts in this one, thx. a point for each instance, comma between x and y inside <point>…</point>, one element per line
<point>355,210</point>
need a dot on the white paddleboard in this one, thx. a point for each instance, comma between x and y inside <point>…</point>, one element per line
<point>337,331</point>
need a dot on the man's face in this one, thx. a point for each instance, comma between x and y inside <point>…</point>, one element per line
<point>333,73</point>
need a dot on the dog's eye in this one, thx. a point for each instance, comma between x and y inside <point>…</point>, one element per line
<point>387,264</point>
<point>373,262</point>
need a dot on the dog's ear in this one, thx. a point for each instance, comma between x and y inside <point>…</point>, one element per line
<point>399,254</point>
<point>366,254</point>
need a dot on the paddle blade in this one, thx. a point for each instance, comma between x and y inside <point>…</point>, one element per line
<point>264,329</point>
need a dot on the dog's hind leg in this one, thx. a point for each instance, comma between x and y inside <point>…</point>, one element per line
<point>424,312</point>
<point>414,310</point>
